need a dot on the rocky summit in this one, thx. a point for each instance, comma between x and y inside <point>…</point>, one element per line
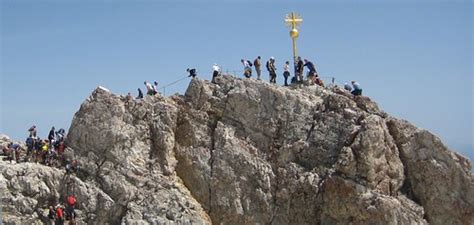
<point>242,151</point>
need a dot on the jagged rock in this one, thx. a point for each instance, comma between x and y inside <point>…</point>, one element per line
<point>243,151</point>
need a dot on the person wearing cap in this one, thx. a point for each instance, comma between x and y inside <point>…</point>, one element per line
<point>357,89</point>
<point>257,63</point>
<point>215,72</point>
<point>271,69</point>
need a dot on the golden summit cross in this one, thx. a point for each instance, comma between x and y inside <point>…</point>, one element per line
<point>293,20</point>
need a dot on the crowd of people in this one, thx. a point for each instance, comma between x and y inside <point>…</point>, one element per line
<point>50,152</point>
<point>312,76</point>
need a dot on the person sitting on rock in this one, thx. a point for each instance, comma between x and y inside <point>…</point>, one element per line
<point>357,90</point>
<point>140,94</point>
<point>192,72</point>
<point>347,87</point>
<point>318,81</point>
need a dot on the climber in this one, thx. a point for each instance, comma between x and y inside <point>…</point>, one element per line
<point>357,90</point>
<point>312,69</point>
<point>70,212</point>
<point>299,69</point>
<point>140,94</point>
<point>257,65</point>
<point>192,72</point>
<point>51,213</point>
<point>59,215</point>
<point>155,88</point>
<point>347,87</point>
<point>30,143</point>
<point>215,73</point>
<point>51,137</point>
<point>149,88</point>
<point>318,81</point>
<point>271,69</point>
<point>72,167</point>
<point>32,131</point>
<point>286,72</point>
<point>247,68</point>
<point>14,150</point>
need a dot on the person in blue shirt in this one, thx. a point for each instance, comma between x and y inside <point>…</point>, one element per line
<point>312,69</point>
<point>357,89</point>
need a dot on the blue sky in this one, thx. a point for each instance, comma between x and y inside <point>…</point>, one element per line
<point>413,57</point>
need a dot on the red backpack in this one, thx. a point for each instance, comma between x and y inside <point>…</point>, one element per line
<point>59,213</point>
<point>71,200</point>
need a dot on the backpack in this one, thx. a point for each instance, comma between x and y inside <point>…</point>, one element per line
<point>250,63</point>
<point>71,200</point>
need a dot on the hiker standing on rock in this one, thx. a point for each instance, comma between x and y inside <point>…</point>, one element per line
<point>215,72</point>
<point>286,72</point>
<point>32,131</point>
<point>51,137</point>
<point>257,63</point>
<point>155,88</point>
<point>299,69</point>
<point>149,88</point>
<point>271,69</point>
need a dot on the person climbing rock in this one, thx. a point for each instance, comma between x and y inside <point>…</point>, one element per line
<point>59,215</point>
<point>70,208</point>
<point>312,69</point>
<point>192,72</point>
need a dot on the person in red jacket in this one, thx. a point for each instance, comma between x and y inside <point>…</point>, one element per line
<point>59,215</point>
<point>71,203</point>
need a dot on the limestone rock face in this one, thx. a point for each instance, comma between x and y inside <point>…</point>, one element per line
<point>246,152</point>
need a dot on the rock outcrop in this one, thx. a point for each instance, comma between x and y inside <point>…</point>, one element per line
<point>246,152</point>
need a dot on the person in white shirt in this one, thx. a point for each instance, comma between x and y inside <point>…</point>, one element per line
<point>247,68</point>
<point>155,88</point>
<point>215,72</point>
<point>149,88</point>
<point>286,72</point>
